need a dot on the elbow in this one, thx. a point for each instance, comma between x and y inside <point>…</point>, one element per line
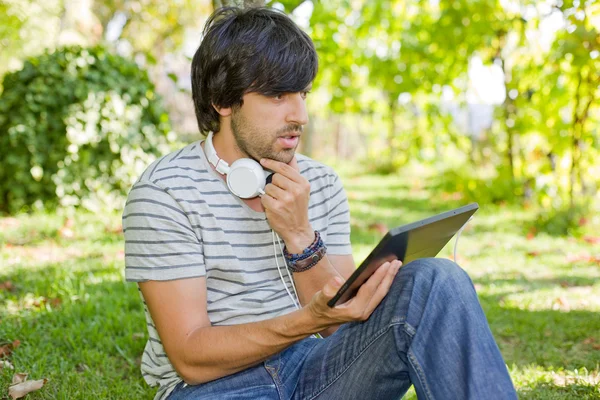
<point>190,374</point>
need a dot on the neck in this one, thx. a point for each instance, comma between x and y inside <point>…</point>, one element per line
<point>226,147</point>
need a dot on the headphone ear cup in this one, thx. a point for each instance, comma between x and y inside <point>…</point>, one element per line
<point>246,178</point>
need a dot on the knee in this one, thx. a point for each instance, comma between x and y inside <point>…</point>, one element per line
<point>442,271</point>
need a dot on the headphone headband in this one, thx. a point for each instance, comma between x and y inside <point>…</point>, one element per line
<point>220,165</point>
<point>246,178</point>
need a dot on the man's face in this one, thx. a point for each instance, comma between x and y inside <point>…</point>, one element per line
<point>269,127</point>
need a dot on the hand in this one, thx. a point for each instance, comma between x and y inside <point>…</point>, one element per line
<point>286,204</point>
<point>358,308</point>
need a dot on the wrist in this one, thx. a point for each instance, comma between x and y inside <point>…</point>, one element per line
<point>308,258</point>
<point>300,241</point>
<point>312,321</point>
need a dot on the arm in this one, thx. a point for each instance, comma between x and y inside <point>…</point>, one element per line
<point>200,352</point>
<point>286,206</point>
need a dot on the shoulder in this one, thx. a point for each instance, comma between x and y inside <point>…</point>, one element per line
<point>315,171</point>
<point>183,162</point>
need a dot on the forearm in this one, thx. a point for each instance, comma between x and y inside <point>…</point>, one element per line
<point>213,352</point>
<point>311,281</point>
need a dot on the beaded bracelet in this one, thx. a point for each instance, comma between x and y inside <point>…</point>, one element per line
<point>309,256</point>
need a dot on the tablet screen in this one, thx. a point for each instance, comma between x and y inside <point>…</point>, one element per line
<point>421,239</point>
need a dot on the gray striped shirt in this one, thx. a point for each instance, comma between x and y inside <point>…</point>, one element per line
<point>180,221</point>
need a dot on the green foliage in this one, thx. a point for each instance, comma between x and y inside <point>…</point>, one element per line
<point>77,128</point>
<point>81,326</point>
<point>563,221</point>
<point>482,185</point>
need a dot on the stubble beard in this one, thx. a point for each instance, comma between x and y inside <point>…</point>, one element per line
<point>250,142</point>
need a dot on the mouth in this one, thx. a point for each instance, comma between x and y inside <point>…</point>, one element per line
<point>290,140</point>
<point>290,135</point>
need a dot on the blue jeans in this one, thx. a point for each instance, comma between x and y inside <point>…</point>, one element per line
<point>429,331</point>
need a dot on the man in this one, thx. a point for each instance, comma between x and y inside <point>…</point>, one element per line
<point>224,321</point>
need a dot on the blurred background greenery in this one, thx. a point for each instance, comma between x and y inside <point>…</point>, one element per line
<point>498,99</point>
<point>419,105</point>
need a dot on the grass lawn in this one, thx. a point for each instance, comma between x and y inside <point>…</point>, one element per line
<point>63,296</point>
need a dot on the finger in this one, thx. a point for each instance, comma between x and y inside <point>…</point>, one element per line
<point>283,181</point>
<point>282,168</point>
<point>276,192</point>
<point>294,163</point>
<point>268,201</point>
<point>383,289</point>
<point>332,286</point>
<point>368,289</point>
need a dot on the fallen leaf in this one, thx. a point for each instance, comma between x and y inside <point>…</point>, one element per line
<point>9,222</point>
<point>21,389</point>
<point>66,231</point>
<point>19,377</point>
<point>379,227</point>
<point>561,303</point>
<point>55,302</point>
<point>452,196</point>
<point>592,239</point>
<point>7,349</point>
<point>564,284</point>
<point>6,364</point>
<point>585,257</point>
<point>7,285</point>
<point>533,253</point>
<point>596,346</point>
<point>114,229</point>
<point>531,234</point>
<point>82,368</point>
<point>589,340</point>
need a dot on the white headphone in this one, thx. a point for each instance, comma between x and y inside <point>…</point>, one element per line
<point>246,178</point>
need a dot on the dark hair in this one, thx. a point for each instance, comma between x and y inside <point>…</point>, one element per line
<point>253,50</point>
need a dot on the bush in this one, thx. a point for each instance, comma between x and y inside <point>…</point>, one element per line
<point>485,186</point>
<point>563,220</point>
<point>77,127</point>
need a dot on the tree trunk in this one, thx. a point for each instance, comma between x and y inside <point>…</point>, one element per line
<point>238,3</point>
<point>392,126</point>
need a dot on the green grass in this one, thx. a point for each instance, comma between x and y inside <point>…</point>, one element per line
<point>82,327</point>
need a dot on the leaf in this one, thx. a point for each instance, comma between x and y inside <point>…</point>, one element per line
<point>585,257</point>
<point>22,389</point>
<point>173,76</point>
<point>7,285</point>
<point>7,349</point>
<point>378,227</point>
<point>19,377</point>
<point>592,239</point>
<point>82,367</point>
<point>66,231</point>
<point>6,364</point>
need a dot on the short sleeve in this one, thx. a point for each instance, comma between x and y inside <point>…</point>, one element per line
<point>160,243</point>
<point>338,219</point>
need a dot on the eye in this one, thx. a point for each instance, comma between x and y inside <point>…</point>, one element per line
<point>305,93</point>
<point>278,96</point>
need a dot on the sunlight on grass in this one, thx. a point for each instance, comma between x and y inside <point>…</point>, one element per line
<point>82,326</point>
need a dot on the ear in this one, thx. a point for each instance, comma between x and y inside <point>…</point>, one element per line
<point>223,111</point>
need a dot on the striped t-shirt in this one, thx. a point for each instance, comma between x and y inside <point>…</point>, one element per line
<point>180,221</point>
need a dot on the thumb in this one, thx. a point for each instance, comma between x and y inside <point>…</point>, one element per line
<point>294,164</point>
<point>332,286</point>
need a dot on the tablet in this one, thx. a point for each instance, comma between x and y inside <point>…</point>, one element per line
<point>406,243</point>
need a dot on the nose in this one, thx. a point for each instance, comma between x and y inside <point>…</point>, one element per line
<point>297,112</point>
